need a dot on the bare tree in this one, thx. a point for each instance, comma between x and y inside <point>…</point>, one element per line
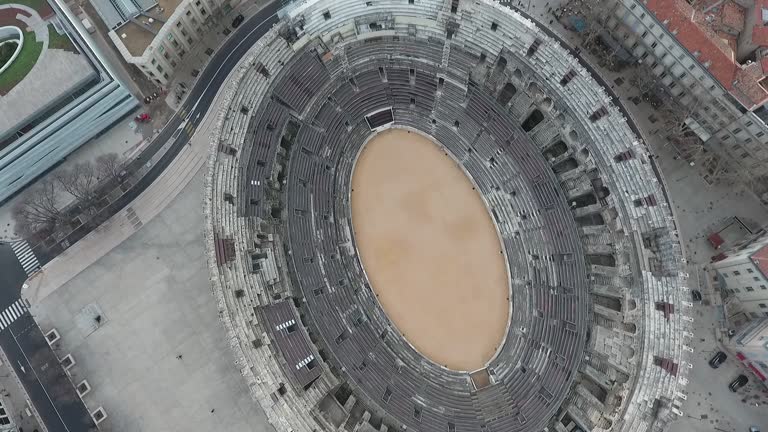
<point>80,181</point>
<point>38,210</point>
<point>110,166</point>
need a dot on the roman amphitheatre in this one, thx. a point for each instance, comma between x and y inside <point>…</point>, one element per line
<point>431,215</point>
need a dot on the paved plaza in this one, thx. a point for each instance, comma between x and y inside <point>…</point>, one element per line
<point>153,294</point>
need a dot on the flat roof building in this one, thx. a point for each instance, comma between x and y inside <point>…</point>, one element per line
<point>66,97</point>
<point>156,36</point>
<point>711,58</point>
<point>750,343</point>
<point>742,273</point>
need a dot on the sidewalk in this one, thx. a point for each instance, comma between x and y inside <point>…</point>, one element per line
<point>198,58</point>
<point>129,220</point>
<point>15,398</point>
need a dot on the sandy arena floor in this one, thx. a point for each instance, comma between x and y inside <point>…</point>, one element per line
<point>430,249</point>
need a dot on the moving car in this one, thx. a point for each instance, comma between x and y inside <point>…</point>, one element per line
<point>237,21</point>
<point>696,295</point>
<point>738,383</point>
<point>718,359</point>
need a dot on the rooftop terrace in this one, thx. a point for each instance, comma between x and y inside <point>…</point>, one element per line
<point>138,34</point>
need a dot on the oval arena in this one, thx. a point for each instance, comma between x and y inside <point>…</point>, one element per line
<point>589,251</point>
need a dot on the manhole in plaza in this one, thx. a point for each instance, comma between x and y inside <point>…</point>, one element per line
<point>89,319</point>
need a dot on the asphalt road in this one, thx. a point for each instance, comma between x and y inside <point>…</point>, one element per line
<point>23,343</point>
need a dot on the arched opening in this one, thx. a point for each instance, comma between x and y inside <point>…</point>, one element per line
<point>573,135</point>
<point>601,260</point>
<point>583,200</point>
<point>506,94</point>
<point>533,88</point>
<point>630,328</point>
<point>592,219</point>
<point>611,303</point>
<point>565,166</point>
<point>555,150</point>
<point>501,64</point>
<point>546,104</point>
<point>533,120</point>
<point>518,74</point>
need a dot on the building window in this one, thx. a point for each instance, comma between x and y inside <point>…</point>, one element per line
<point>763,306</point>
<point>736,273</point>
<point>173,63</point>
<point>754,314</point>
<point>748,124</point>
<point>632,6</point>
<point>203,12</point>
<point>737,130</point>
<point>736,290</point>
<point>165,75</point>
<point>645,33</point>
<point>749,289</point>
<point>178,24</point>
<point>725,275</point>
<point>159,68</point>
<point>654,45</point>
<point>197,3</point>
<point>189,13</point>
<point>762,287</point>
<point>756,279</point>
<point>749,270</point>
<point>744,155</point>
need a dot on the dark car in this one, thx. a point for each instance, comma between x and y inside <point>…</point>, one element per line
<point>696,295</point>
<point>237,21</point>
<point>738,383</point>
<point>718,359</point>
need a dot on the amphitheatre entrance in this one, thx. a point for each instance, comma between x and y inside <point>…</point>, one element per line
<point>430,249</point>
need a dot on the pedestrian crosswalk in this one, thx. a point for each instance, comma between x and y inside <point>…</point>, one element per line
<point>26,257</point>
<point>12,313</point>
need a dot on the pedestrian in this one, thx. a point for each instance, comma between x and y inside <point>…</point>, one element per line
<point>212,410</point>
<point>179,356</point>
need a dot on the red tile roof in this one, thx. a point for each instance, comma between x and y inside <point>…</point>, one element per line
<point>759,31</point>
<point>696,35</point>
<point>760,259</point>
<point>732,15</point>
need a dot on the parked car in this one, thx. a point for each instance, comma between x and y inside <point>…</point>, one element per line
<point>754,429</point>
<point>738,383</point>
<point>696,295</point>
<point>718,359</point>
<point>237,21</point>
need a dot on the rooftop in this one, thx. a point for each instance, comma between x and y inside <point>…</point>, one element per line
<point>694,30</point>
<point>760,259</point>
<point>39,78</point>
<point>139,36</point>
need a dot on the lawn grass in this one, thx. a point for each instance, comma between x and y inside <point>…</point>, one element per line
<point>38,5</point>
<point>59,41</point>
<point>20,67</point>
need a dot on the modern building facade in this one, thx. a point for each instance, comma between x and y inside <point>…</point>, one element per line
<point>750,344</point>
<point>48,135</point>
<point>157,38</point>
<point>710,59</point>
<point>742,274</point>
